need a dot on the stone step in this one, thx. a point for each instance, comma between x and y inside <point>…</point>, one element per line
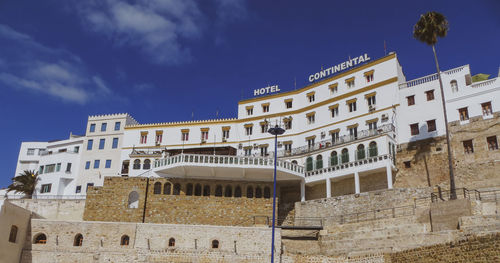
<point>306,247</point>
<point>370,225</point>
<point>404,229</point>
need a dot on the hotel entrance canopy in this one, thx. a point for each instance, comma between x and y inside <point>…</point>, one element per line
<point>226,167</point>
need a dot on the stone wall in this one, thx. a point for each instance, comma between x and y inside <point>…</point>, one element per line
<point>428,159</point>
<point>148,243</point>
<point>53,209</point>
<point>110,202</point>
<point>472,249</point>
<point>12,215</point>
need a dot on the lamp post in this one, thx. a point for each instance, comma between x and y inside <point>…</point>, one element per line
<point>274,131</point>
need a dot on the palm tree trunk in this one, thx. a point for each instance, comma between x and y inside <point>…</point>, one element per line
<point>453,193</point>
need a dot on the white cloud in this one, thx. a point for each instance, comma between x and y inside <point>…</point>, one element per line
<point>31,66</point>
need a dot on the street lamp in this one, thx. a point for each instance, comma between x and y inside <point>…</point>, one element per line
<point>274,131</point>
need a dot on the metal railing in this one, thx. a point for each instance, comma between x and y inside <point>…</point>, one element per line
<point>47,197</point>
<point>225,160</point>
<point>462,193</point>
<point>329,143</point>
<point>45,153</point>
<point>341,166</point>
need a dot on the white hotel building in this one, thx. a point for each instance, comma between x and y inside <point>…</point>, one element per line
<point>341,134</point>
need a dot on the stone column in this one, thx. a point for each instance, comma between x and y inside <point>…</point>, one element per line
<point>328,188</point>
<point>356,182</point>
<point>303,190</point>
<point>389,176</point>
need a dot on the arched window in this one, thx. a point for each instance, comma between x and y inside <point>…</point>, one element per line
<point>267,192</point>
<point>258,192</point>
<point>360,152</point>
<point>218,190</point>
<point>309,164</point>
<point>229,191</point>
<point>133,200</point>
<point>334,158</point>
<point>13,234</point>
<point>177,189</point>
<point>372,149</point>
<point>454,86</point>
<point>294,162</point>
<point>189,189</point>
<point>344,156</point>
<point>215,243</point>
<point>137,164</point>
<point>206,190</point>
<point>167,188</point>
<point>171,242</point>
<point>40,239</point>
<point>124,240</point>
<point>319,161</point>
<point>237,191</point>
<point>249,191</point>
<point>157,188</point>
<point>78,242</point>
<point>147,164</point>
<point>197,190</point>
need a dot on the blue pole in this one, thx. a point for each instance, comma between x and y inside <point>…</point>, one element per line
<point>274,195</point>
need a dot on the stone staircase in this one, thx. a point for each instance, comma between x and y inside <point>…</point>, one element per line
<point>480,224</point>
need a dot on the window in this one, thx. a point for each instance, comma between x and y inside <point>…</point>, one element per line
<point>92,127</point>
<point>350,82</point>
<point>133,200</point>
<point>147,164</point>
<point>177,189</point>
<point>30,151</point>
<point>249,111</point>
<point>78,241</point>
<point>167,188</point>
<point>309,164</point>
<point>319,162</point>
<point>87,165</point>
<point>310,118</point>
<point>104,126</point>
<point>76,149</point>
<point>431,125</point>
<point>310,97</point>
<point>96,164</point>
<point>237,191</point>
<point>225,134</point>
<point>369,77</point>
<point>414,129</point>
<point>407,164</point>
<point>249,192</point>
<point>89,185</point>
<point>454,86</point>
<point>334,159</point>
<point>492,143</point>
<point>360,152</point>
<point>40,239</point>
<point>372,125</point>
<point>264,126</point>
<point>58,167</point>
<point>372,149</point>
<point>288,104</point>
<point>101,143</point>
<point>248,151</point>
<point>229,191</point>
<point>335,136</point>
<point>218,190</point>
<point>40,169</point>
<point>265,108</point>
<point>464,114</point>
<point>115,143</point>
<point>206,190</point>
<point>50,168</point>
<point>185,136</point>
<point>288,147</point>
<point>288,124</point>
<point>352,106</point>
<point>267,192</point>
<point>353,132</point>
<point>137,164</point>
<point>159,137</point>
<point>45,188</point>
<point>197,190</point>
<point>13,234</point>
<point>89,145</point>
<point>68,167</point>
<point>410,100</point>
<point>248,130</point>
<point>107,164</point>
<point>215,243</point>
<point>124,241</point>
<point>344,157</point>
<point>333,88</point>
<point>310,142</point>
<point>144,137</point>
<point>263,151</point>
<point>117,126</point>
<point>335,111</point>
<point>371,101</point>
<point>78,189</point>
<point>157,188</point>
<point>204,135</point>
<point>258,192</point>
<point>171,242</point>
<point>468,147</point>
<point>430,95</point>
<point>486,107</point>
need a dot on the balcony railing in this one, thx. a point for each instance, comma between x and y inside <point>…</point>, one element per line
<point>225,160</point>
<point>47,197</point>
<point>329,143</point>
<point>44,153</point>
<point>343,163</point>
<point>145,152</point>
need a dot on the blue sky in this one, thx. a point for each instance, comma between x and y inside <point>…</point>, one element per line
<point>62,60</point>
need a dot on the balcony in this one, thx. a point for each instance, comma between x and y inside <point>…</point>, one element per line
<point>227,167</point>
<point>145,153</point>
<point>330,143</point>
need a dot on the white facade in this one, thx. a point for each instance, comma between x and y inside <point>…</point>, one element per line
<point>346,126</point>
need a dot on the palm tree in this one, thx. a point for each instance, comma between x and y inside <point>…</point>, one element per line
<point>429,27</point>
<point>24,183</point>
